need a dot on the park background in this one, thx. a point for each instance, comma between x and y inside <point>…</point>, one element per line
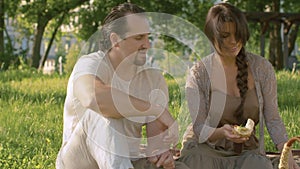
<point>35,34</point>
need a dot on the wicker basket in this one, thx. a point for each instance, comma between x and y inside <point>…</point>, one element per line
<point>284,158</point>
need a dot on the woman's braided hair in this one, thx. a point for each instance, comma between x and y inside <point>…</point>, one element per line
<point>216,17</point>
<point>242,80</point>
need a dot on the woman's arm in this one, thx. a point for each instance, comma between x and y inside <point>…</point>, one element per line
<point>197,101</point>
<point>272,117</point>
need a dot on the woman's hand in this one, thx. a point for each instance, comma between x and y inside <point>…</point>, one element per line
<point>226,132</point>
<point>292,162</point>
<point>229,134</point>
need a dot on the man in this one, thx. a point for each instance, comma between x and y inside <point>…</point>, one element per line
<point>111,95</point>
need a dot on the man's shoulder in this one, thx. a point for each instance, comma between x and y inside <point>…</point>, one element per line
<point>92,63</point>
<point>93,55</point>
<point>94,59</point>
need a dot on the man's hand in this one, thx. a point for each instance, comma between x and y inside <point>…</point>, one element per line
<point>165,160</point>
<point>172,134</point>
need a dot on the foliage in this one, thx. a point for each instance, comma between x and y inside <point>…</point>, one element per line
<point>71,58</point>
<point>292,6</point>
<point>7,57</point>
<point>273,34</point>
<point>41,13</point>
<point>90,18</point>
<point>11,6</point>
<point>175,95</point>
<point>86,19</point>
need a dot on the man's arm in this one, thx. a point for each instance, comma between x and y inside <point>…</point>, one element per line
<point>159,152</point>
<point>95,95</point>
<point>108,101</point>
<point>156,131</point>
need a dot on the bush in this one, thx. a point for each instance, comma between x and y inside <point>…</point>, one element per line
<point>71,58</point>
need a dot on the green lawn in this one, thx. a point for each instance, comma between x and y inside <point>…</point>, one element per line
<point>31,106</point>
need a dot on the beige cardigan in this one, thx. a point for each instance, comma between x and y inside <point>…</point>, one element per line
<point>198,94</point>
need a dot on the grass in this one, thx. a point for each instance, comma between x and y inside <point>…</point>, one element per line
<point>31,115</point>
<point>31,119</point>
<point>288,100</point>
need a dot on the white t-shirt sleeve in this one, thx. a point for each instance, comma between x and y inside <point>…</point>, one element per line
<point>92,64</point>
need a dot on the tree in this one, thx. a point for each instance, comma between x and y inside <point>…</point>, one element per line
<point>56,27</point>
<point>1,28</point>
<point>292,6</point>
<point>89,18</point>
<point>7,52</point>
<point>41,13</point>
<point>280,13</point>
<point>33,17</point>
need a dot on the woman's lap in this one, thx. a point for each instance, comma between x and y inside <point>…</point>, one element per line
<point>200,156</point>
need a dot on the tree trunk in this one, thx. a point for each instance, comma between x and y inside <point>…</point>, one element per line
<point>38,37</point>
<point>272,56</point>
<point>45,56</point>
<point>292,38</point>
<point>41,25</point>
<point>263,29</point>
<point>278,51</point>
<point>275,48</point>
<point>8,53</point>
<point>1,30</point>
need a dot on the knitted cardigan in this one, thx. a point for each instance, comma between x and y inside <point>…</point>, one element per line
<point>198,90</point>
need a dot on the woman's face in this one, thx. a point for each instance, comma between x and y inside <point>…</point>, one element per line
<point>230,47</point>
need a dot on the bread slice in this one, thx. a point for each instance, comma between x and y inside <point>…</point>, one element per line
<point>244,131</point>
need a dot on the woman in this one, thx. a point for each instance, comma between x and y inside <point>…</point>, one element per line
<point>225,89</point>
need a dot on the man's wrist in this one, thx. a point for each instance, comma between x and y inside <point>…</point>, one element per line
<point>157,109</point>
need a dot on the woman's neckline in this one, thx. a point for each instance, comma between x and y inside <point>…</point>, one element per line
<point>249,90</point>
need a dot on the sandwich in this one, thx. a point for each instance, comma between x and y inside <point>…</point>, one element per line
<point>245,131</point>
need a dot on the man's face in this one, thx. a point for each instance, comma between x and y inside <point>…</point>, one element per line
<point>136,42</point>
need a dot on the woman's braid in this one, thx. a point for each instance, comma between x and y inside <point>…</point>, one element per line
<point>242,81</point>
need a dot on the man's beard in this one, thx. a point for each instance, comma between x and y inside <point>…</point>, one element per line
<point>139,60</point>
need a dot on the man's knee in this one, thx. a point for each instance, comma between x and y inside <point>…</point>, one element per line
<point>74,153</point>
